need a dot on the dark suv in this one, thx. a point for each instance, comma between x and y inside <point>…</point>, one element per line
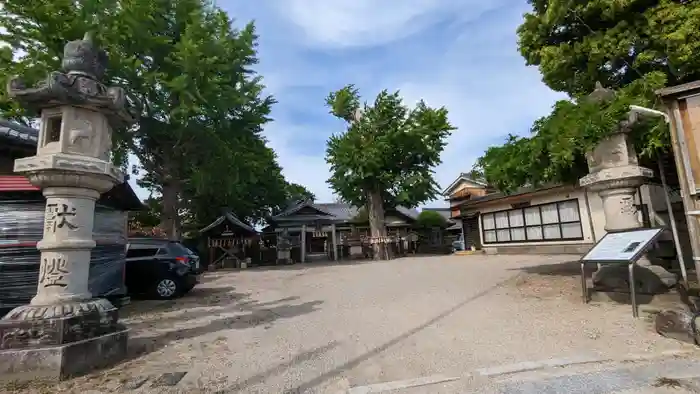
<point>160,268</point>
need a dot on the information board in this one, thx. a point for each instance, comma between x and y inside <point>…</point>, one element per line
<point>622,247</point>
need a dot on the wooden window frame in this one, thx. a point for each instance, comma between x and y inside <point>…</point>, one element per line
<point>525,226</point>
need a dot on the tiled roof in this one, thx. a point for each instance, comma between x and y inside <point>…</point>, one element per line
<point>18,133</point>
<point>519,192</point>
<point>339,211</point>
<point>231,218</point>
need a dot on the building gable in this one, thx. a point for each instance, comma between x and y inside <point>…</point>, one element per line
<point>462,182</point>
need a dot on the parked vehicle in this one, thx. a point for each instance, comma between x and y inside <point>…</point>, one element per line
<point>458,244</point>
<point>160,268</point>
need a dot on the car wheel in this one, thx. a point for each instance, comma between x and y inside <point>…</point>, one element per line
<point>167,288</point>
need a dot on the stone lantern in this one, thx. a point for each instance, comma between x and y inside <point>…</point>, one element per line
<point>64,331</point>
<point>615,174</point>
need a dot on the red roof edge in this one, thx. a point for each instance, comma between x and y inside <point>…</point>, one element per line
<point>16,183</point>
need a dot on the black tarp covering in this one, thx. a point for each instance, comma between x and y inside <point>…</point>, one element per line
<point>21,227</point>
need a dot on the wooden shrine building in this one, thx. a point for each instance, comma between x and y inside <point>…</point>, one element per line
<point>230,241</point>
<point>324,230</point>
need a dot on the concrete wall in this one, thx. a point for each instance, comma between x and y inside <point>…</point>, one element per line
<point>534,247</point>
<point>592,220</point>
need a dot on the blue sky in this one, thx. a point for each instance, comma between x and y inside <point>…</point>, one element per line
<point>458,53</point>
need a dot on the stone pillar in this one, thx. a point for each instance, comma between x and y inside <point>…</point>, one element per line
<point>64,331</point>
<point>615,175</point>
<point>303,243</point>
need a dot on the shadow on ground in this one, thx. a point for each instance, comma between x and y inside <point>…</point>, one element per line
<point>568,268</point>
<point>197,297</point>
<point>152,332</point>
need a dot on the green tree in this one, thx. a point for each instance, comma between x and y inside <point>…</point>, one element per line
<point>297,192</point>
<point>199,139</point>
<point>386,157</point>
<point>148,217</point>
<point>576,43</point>
<point>430,219</point>
<point>633,47</point>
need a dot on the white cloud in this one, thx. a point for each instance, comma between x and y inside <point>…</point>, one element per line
<point>349,23</point>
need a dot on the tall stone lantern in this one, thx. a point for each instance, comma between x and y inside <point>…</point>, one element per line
<point>615,174</point>
<point>64,330</point>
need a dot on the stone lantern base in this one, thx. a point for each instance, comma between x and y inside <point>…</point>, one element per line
<point>60,341</point>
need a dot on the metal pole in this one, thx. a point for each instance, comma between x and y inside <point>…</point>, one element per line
<point>633,291</point>
<point>672,219</point>
<point>584,285</point>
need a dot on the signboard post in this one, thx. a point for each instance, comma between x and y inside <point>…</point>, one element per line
<point>625,247</point>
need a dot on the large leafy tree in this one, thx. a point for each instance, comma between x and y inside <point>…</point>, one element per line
<point>296,192</point>
<point>386,156</point>
<point>633,47</point>
<point>576,43</point>
<point>199,139</point>
<point>430,219</point>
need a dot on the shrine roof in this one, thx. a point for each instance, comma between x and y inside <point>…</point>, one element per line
<point>340,212</point>
<point>231,219</point>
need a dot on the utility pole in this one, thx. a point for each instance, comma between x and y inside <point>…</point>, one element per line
<point>682,104</point>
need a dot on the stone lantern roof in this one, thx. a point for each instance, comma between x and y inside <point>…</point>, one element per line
<point>601,94</point>
<point>78,84</point>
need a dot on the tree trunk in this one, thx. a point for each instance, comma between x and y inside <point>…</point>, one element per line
<point>170,220</point>
<point>377,226</point>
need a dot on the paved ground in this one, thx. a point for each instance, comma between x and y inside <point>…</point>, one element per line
<point>457,324</point>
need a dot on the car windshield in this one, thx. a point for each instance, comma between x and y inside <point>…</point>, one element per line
<point>178,248</point>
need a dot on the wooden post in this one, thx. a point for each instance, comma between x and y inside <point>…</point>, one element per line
<point>303,243</point>
<point>334,241</point>
<point>683,110</point>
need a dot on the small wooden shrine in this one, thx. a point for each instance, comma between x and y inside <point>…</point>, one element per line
<point>230,241</point>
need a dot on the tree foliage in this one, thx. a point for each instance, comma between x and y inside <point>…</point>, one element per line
<point>391,149</point>
<point>555,151</point>
<point>430,219</point>
<point>386,156</point>
<point>576,43</point>
<point>199,139</point>
<point>633,47</point>
<point>297,192</point>
<point>148,217</point>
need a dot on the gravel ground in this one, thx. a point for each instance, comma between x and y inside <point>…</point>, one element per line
<point>328,328</point>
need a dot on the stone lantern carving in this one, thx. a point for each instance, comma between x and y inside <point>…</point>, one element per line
<point>615,174</point>
<point>64,331</point>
